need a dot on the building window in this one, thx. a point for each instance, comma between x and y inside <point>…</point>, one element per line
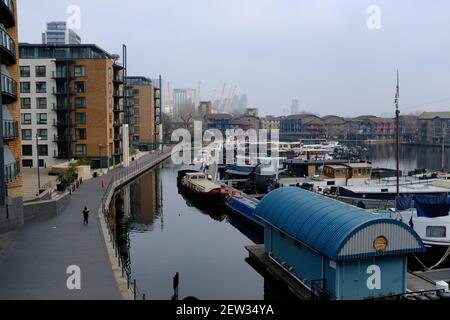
<point>79,87</point>
<point>43,133</point>
<point>80,71</point>
<point>110,73</point>
<point>80,134</point>
<point>81,150</point>
<point>25,103</point>
<point>136,102</point>
<point>27,134</point>
<point>80,102</point>
<point>110,117</point>
<point>25,118</point>
<point>25,87</point>
<point>41,103</point>
<point>135,92</point>
<point>137,129</point>
<point>43,150</point>
<point>41,118</point>
<point>110,102</point>
<point>25,71</point>
<point>436,232</point>
<point>27,150</point>
<point>110,88</point>
<point>41,87</point>
<point>27,163</point>
<point>80,118</point>
<point>40,71</point>
<point>110,133</point>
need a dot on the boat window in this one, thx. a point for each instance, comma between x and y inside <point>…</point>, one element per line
<point>283,235</point>
<point>297,244</point>
<point>436,232</point>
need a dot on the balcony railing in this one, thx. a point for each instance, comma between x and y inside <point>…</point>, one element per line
<point>61,123</point>
<point>118,79</point>
<point>7,13</point>
<point>118,93</point>
<point>117,123</point>
<point>62,91</point>
<point>10,129</point>
<point>62,138</point>
<point>8,47</point>
<point>9,89</point>
<point>61,75</point>
<point>118,108</point>
<point>62,107</point>
<point>12,171</point>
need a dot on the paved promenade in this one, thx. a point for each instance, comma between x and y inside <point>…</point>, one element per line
<point>34,259</point>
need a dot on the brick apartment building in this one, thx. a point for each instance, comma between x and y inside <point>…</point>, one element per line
<point>72,97</point>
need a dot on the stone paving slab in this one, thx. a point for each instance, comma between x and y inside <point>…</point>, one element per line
<point>34,259</point>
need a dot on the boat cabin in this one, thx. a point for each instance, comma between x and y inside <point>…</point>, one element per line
<point>359,170</point>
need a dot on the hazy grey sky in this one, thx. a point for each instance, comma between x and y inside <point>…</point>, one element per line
<point>320,52</point>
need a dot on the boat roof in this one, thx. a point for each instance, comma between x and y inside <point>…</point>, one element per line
<point>336,166</point>
<point>412,188</point>
<point>359,165</point>
<point>334,229</point>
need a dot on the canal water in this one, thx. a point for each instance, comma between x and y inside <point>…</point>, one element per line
<point>161,233</point>
<point>411,157</point>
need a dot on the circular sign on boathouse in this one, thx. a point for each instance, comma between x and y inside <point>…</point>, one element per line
<point>380,243</point>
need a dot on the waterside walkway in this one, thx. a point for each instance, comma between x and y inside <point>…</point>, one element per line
<point>34,259</point>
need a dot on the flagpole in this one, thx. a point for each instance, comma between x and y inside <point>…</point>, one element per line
<point>397,138</point>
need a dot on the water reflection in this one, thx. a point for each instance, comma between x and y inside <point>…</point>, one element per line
<point>162,233</point>
<point>411,157</point>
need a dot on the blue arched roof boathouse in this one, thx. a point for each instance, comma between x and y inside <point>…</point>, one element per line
<point>353,253</point>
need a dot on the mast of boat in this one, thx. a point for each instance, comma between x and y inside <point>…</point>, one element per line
<point>397,135</point>
<point>443,153</point>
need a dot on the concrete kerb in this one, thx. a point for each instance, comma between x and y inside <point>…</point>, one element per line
<point>122,284</point>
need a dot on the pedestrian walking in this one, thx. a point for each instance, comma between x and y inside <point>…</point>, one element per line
<point>86,215</point>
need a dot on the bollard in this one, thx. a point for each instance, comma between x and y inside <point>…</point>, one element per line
<point>134,289</point>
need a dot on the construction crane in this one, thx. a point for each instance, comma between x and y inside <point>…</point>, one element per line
<point>221,97</point>
<point>230,99</point>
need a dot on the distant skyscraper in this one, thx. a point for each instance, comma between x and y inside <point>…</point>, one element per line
<point>58,33</point>
<point>294,106</point>
<point>184,99</point>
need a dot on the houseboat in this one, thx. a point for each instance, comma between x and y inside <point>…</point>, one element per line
<point>243,206</point>
<point>198,184</point>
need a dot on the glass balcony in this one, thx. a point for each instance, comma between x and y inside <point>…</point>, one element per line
<point>62,91</point>
<point>61,75</point>
<point>7,47</point>
<point>7,13</point>
<point>9,89</point>
<point>118,79</point>
<point>118,94</point>
<point>10,129</point>
<point>12,166</point>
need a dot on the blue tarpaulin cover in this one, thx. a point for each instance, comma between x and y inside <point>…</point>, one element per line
<point>403,202</point>
<point>432,206</point>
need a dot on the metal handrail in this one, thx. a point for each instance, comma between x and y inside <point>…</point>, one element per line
<point>117,179</point>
